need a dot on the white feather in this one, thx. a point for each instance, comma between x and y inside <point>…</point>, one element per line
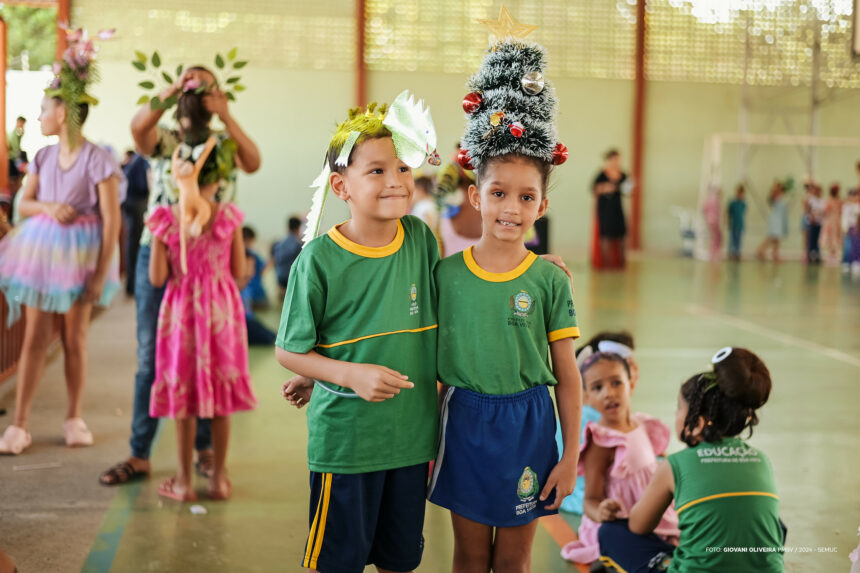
<point>315,215</point>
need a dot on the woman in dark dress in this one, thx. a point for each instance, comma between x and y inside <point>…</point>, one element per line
<point>610,214</point>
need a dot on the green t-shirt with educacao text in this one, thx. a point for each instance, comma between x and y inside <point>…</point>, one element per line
<point>372,305</point>
<point>495,328</point>
<point>727,507</point>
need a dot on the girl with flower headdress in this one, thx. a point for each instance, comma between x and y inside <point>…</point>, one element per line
<point>61,259</point>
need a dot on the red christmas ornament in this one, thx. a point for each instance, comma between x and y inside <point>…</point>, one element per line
<point>472,102</point>
<point>464,160</point>
<point>517,129</point>
<point>559,154</point>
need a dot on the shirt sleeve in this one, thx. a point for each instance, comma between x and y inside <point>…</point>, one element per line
<point>103,166</point>
<point>562,318</point>
<point>303,307</point>
<point>36,165</point>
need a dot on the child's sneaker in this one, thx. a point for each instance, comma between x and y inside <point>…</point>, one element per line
<point>15,440</point>
<point>77,433</point>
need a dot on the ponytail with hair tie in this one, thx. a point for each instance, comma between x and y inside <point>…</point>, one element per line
<point>743,385</point>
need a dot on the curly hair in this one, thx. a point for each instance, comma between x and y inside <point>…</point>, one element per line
<point>727,398</point>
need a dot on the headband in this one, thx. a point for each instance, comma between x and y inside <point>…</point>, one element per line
<point>604,347</point>
<point>412,133</point>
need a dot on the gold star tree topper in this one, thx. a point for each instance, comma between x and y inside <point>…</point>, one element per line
<point>507,27</point>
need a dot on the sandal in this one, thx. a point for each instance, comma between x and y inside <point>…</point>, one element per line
<point>205,464</point>
<point>15,440</point>
<point>217,495</point>
<point>121,473</point>
<point>165,489</point>
<point>77,433</point>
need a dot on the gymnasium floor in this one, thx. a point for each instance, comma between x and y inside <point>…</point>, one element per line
<point>804,323</point>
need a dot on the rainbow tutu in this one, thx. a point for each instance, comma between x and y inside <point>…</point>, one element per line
<point>46,264</point>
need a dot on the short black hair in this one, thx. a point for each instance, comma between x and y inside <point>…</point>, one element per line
<point>21,118</point>
<point>248,233</point>
<point>294,224</point>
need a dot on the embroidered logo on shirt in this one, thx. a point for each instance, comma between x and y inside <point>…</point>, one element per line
<point>522,304</point>
<point>413,298</point>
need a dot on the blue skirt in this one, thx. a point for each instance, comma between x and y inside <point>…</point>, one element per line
<point>495,455</point>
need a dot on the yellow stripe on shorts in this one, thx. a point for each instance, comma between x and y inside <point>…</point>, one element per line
<point>326,496</point>
<point>312,535</point>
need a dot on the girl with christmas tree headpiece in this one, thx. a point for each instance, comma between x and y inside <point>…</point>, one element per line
<point>498,468</point>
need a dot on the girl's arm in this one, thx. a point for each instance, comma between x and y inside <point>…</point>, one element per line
<point>145,121</point>
<point>108,191</point>
<point>158,269</point>
<point>646,514</point>
<point>247,154</point>
<point>29,206</point>
<point>568,399</point>
<point>237,257</point>
<point>595,505</point>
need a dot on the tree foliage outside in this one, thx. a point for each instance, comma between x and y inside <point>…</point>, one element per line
<point>31,31</point>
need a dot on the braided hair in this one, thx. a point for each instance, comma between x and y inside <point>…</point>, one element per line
<point>727,398</point>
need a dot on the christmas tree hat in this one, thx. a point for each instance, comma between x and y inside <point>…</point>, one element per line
<point>511,106</point>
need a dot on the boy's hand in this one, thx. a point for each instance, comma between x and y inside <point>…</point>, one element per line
<point>608,510</point>
<point>375,383</point>
<point>562,478</point>
<point>297,390</point>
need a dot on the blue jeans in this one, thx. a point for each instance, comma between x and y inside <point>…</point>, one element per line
<point>148,301</point>
<point>735,236</point>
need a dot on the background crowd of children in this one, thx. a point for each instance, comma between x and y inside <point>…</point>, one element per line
<point>829,225</point>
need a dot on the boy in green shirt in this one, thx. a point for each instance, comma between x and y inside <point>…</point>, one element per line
<point>359,317</point>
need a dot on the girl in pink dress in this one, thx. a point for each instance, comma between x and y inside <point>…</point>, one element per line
<point>831,227</point>
<point>618,456</point>
<point>201,356</point>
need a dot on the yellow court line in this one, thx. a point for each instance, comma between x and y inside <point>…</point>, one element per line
<point>570,332</point>
<point>719,495</point>
<point>319,541</point>
<point>422,329</point>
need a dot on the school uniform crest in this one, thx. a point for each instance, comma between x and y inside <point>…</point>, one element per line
<point>522,303</point>
<point>527,487</point>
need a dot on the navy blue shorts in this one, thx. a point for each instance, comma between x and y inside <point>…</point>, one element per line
<point>631,553</point>
<point>370,518</point>
<point>495,455</point>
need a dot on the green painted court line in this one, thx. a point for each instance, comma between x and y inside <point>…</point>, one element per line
<point>107,541</point>
<point>103,551</point>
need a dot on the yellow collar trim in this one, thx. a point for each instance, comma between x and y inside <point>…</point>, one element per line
<point>369,252</point>
<point>473,266</point>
